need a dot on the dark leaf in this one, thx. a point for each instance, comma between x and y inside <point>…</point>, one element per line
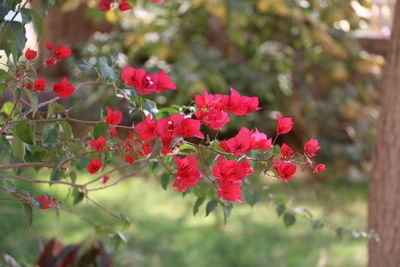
<point>211,205</point>
<point>289,219</point>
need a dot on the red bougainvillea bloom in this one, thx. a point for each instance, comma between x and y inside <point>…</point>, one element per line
<point>170,127</point>
<point>63,89</point>
<point>132,144</point>
<point>239,144</point>
<point>45,202</point>
<point>230,191</point>
<point>157,1</point>
<point>105,5</point>
<point>30,54</point>
<point>49,46</point>
<point>319,168</point>
<point>28,86</point>
<point>105,179</point>
<point>123,6</point>
<point>286,151</point>
<point>231,170</point>
<point>187,174</point>
<point>94,166</point>
<point>112,132</point>
<point>241,105</point>
<point>39,84</point>
<point>311,148</point>
<point>146,129</point>
<point>210,101</point>
<point>114,117</point>
<point>166,143</point>
<point>129,158</point>
<point>214,119</point>
<point>146,83</point>
<point>284,125</point>
<point>62,52</point>
<point>260,141</point>
<point>99,144</point>
<point>191,128</point>
<point>50,61</point>
<point>285,171</point>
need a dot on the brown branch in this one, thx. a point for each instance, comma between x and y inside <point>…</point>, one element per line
<point>30,164</point>
<point>24,179</point>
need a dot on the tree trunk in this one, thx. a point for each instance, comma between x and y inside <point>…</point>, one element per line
<point>384,188</point>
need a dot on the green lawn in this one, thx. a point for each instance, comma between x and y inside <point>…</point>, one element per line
<point>164,232</point>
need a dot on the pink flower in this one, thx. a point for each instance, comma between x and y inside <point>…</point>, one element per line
<point>238,145</point>
<point>112,132</point>
<point>63,89</point>
<point>30,54</point>
<point>284,125</point>
<point>105,179</point>
<point>210,102</point>
<point>129,158</point>
<point>123,6</point>
<point>62,52</point>
<point>187,174</point>
<point>28,86</point>
<point>214,119</point>
<point>230,191</point>
<point>231,170</point>
<point>170,127</point>
<point>114,117</point>
<point>286,151</point>
<point>94,166</point>
<point>147,129</point>
<point>260,141</point>
<point>241,105</point>
<point>105,5</point>
<point>99,144</point>
<point>285,171</point>
<point>39,85</point>
<point>45,202</point>
<point>191,128</point>
<point>49,46</point>
<point>50,61</point>
<point>319,168</point>
<point>311,148</point>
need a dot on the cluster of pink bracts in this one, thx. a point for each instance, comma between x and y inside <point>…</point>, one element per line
<point>105,5</point>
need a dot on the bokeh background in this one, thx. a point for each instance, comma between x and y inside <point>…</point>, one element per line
<point>318,61</point>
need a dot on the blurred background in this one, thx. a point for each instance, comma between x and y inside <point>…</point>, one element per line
<point>318,61</point>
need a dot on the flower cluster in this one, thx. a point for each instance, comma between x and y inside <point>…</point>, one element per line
<point>105,5</point>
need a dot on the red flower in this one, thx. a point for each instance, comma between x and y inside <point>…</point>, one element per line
<point>105,5</point>
<point>191,128</point>
<point>49,46</point>
<point>18,75</point>
<point>319,168</point>
<point>260,141</point>
<point>146,129</point>
<point>105,179</point>
<point>50,61</point>
<point>311,148</point>
<point>241,105</point>
<point>231,170</point>
<point>209,101</point>
<point>214,119</point>
<point>39,84</point>
<point>62,52</point>
<point>114,117</point>
<point>238,145</point>
<point>112,132</point>
<point>45,202</point>
<point>28,86</point>
<point>156,1</point>
<point>230,192</point>
<point>129,158</point>
<point>99,144</point>
<point>187,174</point>
<point>284,125</point>
<point>170,127</point>
<point>166,142</point>
<point>63,89</point>
<point>94,166</point>
<point>123,6</point>
<point>286,151</point>
<point>285,171</point>
<point>30,54</point>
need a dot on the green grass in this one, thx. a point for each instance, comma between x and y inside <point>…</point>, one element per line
<point>164,232</point>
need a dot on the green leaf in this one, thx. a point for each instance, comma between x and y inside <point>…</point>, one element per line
<point>105,70</point>
<point>67,129</point>
<point>20,39</point>
<point>26,15</point>
<point>54,108</point>
<point>318,224</point>
<point>28,213</point>
<point>197,204</point>
<point>340,231</point>
<point>280,209</point>
<point>227,213</point>
<point>10,187</point>
<point>251,196</point>
<point>24,131</point>
<point>49,137</point>
<point>18,148</point>
<point>289,219</point>
<point>165,180</point>
<point>100,129</point>
<point>84,66</point>
<point>4,9</point>
<point>211,205</point>
<point>37,21</point>
<point>34,101</point>
<point>56,175</point>
<point>45,4</point>
<point>151,107</point>
<point>78,196</point>
<point>7,108</point>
